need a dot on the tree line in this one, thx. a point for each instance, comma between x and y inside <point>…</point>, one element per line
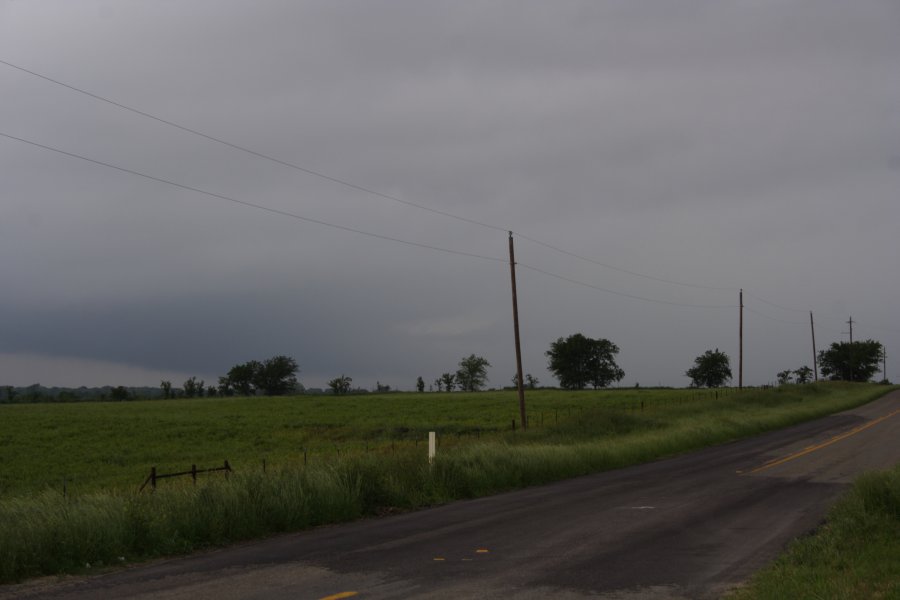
<point>576,361</point>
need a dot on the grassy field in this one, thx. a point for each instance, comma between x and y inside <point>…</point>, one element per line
<point>99,445</point>
<point>362,458</point>
<point>855,555</point>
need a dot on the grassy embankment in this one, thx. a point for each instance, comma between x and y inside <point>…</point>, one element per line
<point>855,555</point>
<point>364,459</point>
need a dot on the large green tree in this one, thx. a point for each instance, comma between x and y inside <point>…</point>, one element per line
<point>472,373</point>
<point>578,361</point>
<point>274,376</point>
<point>711,369</point>
<point>857,361</point>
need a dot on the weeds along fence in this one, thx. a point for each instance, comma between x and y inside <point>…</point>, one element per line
<point>154,476</point>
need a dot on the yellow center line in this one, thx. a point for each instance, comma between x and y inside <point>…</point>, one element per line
<point>814,447</point>
<point>340,596</point>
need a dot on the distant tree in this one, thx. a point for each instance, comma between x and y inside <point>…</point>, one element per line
<point>119,393</point>
<point>211,392</point>
<point>242,378</point>
<point>166,388</point>
<point>381,388</point>
<point>857,361</point>
<point>803,375</point>
<point>784,377</point>
<point>10,393</point>
<point>191,388</point>
<point>448,381</point>
<point>225,387</point>
<point>578,361</point>
<point>472,373</point>
<point>711,369</point>
<point>531,382</point>
<point>275,376</point>
<point>420,384</point>
<point>340,385</point>
<point>438,383</point>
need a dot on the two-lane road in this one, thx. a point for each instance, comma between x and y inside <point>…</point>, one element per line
<point>688,527</point>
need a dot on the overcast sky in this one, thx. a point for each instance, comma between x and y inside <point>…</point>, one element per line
<point>720,144</point>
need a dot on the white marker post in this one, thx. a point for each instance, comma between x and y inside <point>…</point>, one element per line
<point>431,447</point>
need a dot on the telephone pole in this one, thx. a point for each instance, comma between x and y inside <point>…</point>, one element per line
<point>515,302</point>
<point>850,349</point>
<point>812,328</point>
<point>741,347</point>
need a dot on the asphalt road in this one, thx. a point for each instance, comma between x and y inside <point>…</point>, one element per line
<point>689,527</point>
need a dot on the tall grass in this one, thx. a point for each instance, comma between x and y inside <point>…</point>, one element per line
<point>855,555</point>
<point>49,533</point>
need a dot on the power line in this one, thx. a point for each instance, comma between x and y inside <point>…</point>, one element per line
<point>770,303</point>
<point>346,183</point>
<point>250,204</point>
<point>765,316</point>
<point>635,273</point>
<point>623,294</point>
<point>285,163</point>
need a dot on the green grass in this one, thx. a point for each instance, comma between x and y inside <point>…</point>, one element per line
<point>362,459</point>
<point>856,554</point>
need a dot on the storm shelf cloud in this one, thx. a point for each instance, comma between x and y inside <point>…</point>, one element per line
<point>652,158</point>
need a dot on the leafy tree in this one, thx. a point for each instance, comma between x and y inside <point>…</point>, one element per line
<point>192,388</point>
<point>10,393</point>
<point>420,384</point>
<point>711,369</point>
<point>578,361</point>
<point>225,387</point>
<point>241,377</point>
<point>472,373</point>
<point>803,375</point>
<point>276,376</point>
<point>531,382</point>
<point>166,388</point>
<point>340,385</point>
<point>448,381</point>
<point>857,361</point>
<point>382,388</point>
<point>784,377</point>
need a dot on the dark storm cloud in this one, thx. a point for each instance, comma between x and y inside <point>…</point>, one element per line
<point>727,144</point>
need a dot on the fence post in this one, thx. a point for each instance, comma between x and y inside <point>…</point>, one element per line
<point>431,447</point>
<point>227,468</point>
<point>194,473</point>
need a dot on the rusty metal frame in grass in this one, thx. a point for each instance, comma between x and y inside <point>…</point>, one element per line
<point>154,476</point>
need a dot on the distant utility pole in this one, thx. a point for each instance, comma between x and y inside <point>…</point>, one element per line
<point>812,328</point>
<point>852,362</point>
<point>741,347</point>
<point>515,301</point>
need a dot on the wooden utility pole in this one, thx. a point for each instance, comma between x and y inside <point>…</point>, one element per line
<point>852,362</point>
<point>741,348</point>
<point>515,302</point>
<point>812,328</point>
